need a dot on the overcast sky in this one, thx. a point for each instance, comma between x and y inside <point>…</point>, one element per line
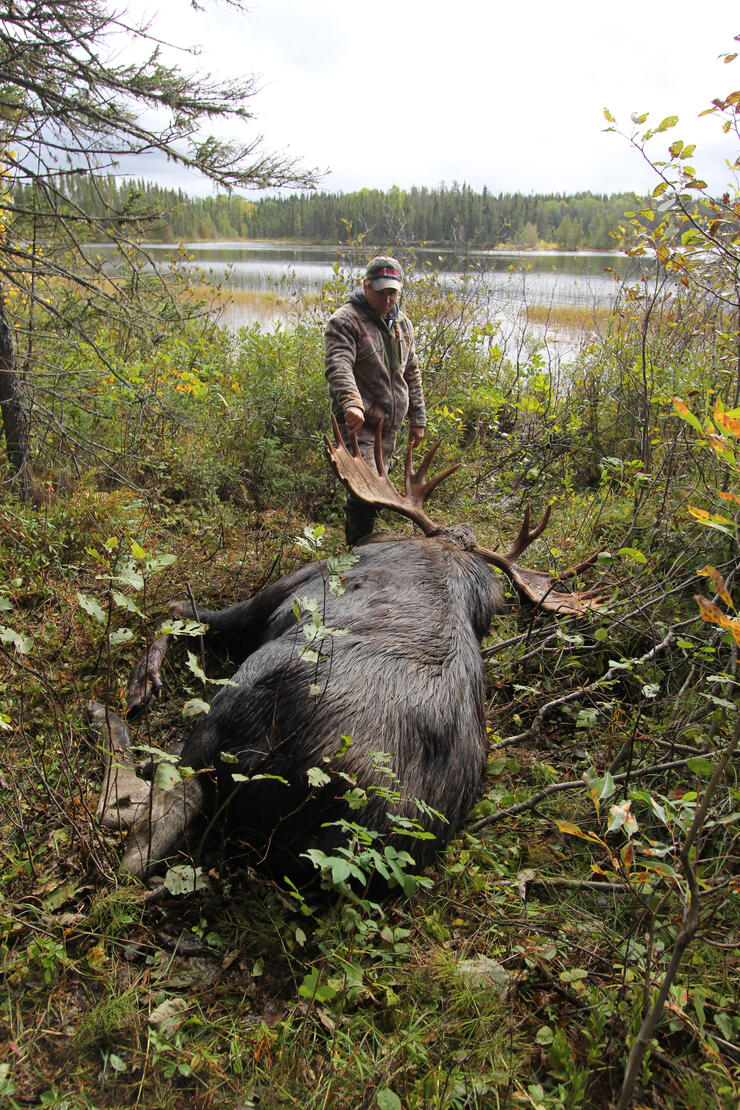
<point>502,93</point>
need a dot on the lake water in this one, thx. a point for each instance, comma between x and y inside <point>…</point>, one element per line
<point>559,278</point>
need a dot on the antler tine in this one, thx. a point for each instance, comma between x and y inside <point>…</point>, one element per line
<point>537,585</point>
<point>424,464</point>
<point>377,449</point>
<point>525,536</point>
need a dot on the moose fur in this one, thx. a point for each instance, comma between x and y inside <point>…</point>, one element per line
<point>405,678</point>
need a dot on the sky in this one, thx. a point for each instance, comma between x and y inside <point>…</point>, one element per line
<point>498,93</point>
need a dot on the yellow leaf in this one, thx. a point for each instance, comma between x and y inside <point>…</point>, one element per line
<point>718,583</point>
<point>727,423</point>
<point>712,614</point>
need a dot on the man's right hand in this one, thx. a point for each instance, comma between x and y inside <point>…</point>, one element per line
<point>354,418</point>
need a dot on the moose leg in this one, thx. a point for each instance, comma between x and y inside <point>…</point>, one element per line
<point>159,819</point>
<point>240,629</point>
<point>145,681</point>
<point>124,796</point>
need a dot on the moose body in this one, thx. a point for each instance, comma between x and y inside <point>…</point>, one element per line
<point>402,678</point>
<point>381,727</point>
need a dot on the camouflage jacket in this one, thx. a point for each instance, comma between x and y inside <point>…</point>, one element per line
<point>373,366</point>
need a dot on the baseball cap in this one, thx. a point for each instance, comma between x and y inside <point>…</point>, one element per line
<point>384,272</point>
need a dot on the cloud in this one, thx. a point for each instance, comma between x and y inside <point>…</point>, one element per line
<point>505,95</point>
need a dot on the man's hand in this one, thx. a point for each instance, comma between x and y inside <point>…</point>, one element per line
<point>416,435</point>
<point>354,418</point>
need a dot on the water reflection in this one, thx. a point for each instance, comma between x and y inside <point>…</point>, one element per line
<point>558,278</point>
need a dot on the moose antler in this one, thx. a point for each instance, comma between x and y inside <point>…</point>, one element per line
<point>375,487</point>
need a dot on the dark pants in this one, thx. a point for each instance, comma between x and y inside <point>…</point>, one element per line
<point>359,520</point>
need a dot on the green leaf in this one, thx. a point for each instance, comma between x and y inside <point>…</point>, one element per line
<point>606,787</point>
<point>317,777</point>
<point>573,975</point>
<point>669,121</point>
<point>159,562</point>
<point>340,564</point>
<point>700,766</point>
<point>91,607</point>
<point>194,665</point>
<point>182,628</point>
<point>545,1035</point>
<point>184,879</point>
<point>312,988</point>
<point>124,602</point>
<point>633,553</point>
<point>195,706</point>
<point>167,777</point>
<point>340,870</point>
<point>387,1099</point>
<point>19,640</point>
<point>121,636</point>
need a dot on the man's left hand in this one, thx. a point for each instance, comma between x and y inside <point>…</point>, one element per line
<point>416,435</point>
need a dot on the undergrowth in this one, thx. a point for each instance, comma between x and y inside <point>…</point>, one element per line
<point>523,972</point>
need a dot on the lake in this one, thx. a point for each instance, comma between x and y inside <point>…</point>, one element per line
<point>507,278</point>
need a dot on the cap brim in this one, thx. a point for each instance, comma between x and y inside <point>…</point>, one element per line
<point>386,283</point>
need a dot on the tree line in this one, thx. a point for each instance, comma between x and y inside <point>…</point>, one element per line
<point>444,215</point>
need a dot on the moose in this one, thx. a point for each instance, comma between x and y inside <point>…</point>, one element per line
<point>380,723</point>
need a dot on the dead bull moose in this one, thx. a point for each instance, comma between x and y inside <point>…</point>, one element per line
<point>289,753</point>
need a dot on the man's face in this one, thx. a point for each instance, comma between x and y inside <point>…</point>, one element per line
<point>382,300</point>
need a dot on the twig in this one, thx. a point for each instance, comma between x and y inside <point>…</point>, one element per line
<point>573,784</point>
<point>691,923</point>
<point>583,691</point>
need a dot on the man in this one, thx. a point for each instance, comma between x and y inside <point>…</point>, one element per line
<point>373,374</point>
